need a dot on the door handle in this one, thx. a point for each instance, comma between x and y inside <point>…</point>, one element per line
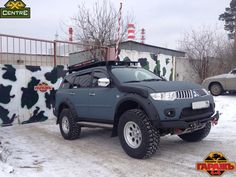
<point>92,94</point>
<point>71,93</point>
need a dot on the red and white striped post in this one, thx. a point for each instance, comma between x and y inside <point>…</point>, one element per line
<point>131,32</point>
<point>118,32</point>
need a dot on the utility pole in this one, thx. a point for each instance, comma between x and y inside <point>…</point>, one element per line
<point>234,48</point>
<point>118,32</point>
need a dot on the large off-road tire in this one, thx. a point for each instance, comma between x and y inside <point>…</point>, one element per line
<point>70,130</point>
<point>138,137</point>
<point>216,89</point>
<point>197,135</point>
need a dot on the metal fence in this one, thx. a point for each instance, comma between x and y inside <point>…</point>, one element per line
<point>19,50</point>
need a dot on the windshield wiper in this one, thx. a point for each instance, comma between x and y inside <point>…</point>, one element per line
<point>131,81</point>
<point>151,80</point>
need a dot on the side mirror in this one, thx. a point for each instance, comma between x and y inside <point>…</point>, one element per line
<point>103,82</point>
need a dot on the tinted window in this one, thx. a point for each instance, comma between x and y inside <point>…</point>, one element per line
<point>67,83</point>
<point>76,82</point>
<point>83,80</point>
<point>97,75</point>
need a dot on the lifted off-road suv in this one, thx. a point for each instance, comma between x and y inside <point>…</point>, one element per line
<point>138,105</point>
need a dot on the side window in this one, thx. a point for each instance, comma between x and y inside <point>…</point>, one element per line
<point>83,80</point>
<point>76,82</point>
<point>97,75</point>
<point>67,83</point>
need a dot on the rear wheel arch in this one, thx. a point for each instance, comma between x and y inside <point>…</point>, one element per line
<point>62,106</point>
<point>66,105</point>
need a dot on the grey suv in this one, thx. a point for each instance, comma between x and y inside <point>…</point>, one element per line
<point>138,105</point>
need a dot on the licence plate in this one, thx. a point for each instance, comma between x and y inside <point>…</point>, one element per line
<point>200,104</point>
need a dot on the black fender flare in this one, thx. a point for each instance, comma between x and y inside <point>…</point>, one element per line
<point>144,103</point>
<point>70,106</point>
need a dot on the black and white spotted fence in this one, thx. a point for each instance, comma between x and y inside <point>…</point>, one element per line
<point>27,93</point>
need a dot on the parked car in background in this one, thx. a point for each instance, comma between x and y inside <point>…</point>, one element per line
<point>221,83</point>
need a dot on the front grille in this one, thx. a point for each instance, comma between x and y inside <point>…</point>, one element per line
<point>184,94</point>
<point>189,94</point>
<point>190,114</point>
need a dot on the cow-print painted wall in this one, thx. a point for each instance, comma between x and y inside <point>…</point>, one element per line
<point>19,101</point>
<point>160,64</point>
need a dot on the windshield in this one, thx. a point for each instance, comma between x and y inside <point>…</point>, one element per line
<point>133,74</point>
<point>233,71</point>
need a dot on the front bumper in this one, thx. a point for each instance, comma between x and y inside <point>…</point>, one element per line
<point>182,124</point>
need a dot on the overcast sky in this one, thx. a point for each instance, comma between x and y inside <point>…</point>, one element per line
<point>165,21</point>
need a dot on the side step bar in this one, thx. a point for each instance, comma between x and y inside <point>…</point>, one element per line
<point>95,125</point>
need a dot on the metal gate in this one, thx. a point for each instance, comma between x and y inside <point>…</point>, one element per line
<point>17,50</point>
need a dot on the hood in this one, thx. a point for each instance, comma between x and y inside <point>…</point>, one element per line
<point>222,76</point>
<point>164,86</point>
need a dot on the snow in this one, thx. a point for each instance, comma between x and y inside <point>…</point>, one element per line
<point>39,150</point>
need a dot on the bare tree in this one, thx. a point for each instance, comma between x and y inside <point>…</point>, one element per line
<point>225,53</point>
<point>99,25</point>
<point>207,52</point>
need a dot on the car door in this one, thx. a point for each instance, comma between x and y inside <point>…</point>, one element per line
<point>101,99</point>
<point>231,81</point>
<point>80,94</point>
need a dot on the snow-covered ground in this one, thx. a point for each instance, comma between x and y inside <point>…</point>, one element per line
<point>39,150</point>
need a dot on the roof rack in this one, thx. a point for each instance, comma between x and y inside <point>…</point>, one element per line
<point>96,62</point>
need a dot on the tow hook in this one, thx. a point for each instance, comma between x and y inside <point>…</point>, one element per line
<point>215,118</point>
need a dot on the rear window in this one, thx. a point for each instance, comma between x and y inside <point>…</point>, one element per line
<point>67,83</point>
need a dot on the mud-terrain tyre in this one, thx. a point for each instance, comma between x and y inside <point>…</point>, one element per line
<point>197,135</point>
<point>216,89</point>
<point>138,137</point>
<point>70,130</point>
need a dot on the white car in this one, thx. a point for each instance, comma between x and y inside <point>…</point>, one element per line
<point>221,83</point>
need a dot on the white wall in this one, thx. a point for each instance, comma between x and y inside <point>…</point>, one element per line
<point>185,71</point>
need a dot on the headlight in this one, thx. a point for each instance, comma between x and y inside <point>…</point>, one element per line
<point>164,96</point>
